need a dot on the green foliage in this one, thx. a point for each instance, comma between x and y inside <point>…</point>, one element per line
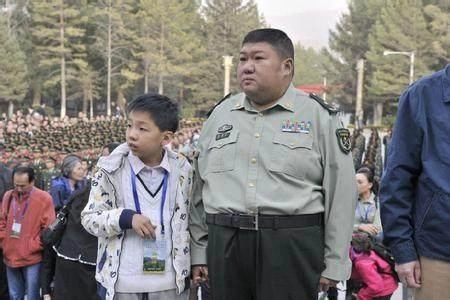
<point>348,43</point>
<point>309,65</point>
<point>57,31</point>
<point>120,48</point>
<point>401,27</point>
<point>227,22</point>
<point>114,42</point>
<point>13,79</point>
<point>167,39</point>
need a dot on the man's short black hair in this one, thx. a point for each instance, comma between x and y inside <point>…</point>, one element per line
<point>24,170</point>
<point>163,111</point>
<point>274,37</point>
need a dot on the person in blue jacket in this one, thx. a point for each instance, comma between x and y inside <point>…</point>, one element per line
<point>415,188</point>
<point>71,179</point>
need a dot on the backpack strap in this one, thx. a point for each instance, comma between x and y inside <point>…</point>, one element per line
<point>9,202</point>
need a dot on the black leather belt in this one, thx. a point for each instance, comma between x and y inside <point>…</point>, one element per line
<point>255,222</point>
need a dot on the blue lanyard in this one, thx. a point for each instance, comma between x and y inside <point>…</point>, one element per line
<point>163,197</point>
<point>19,220</point>
<point>364,218</point>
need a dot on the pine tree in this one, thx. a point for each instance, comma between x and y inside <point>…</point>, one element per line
<point>348,43</point>
<point>13,76</point>
<point>57,33</point>
<point>167,39</point>
<point>309,65</point>
<point>227,22</point>
<point>438,20</point>
<point>115,44</point>
<point>401,27</point>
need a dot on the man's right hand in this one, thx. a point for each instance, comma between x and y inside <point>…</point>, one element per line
<point>199,274</point>
<point>409,274</point>
<point>143,227</point>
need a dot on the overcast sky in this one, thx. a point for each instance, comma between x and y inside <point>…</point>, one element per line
<point>287,7</point>
<point>305,21</point>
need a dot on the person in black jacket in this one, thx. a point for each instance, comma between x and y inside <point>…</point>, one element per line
<point>5,184</point>
<point>74,273</point>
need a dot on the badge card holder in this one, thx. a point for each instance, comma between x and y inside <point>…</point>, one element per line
<point>15,230</point>
<point>155,252</point>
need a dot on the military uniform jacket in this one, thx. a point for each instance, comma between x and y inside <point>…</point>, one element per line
<point>285,160</point>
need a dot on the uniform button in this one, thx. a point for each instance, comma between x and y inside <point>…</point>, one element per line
<point>292,144</point>
<point>220,144</point>
<point>260,114</point>
<point>253,160</point>
<point>257,135</point>
<point>250,184</point>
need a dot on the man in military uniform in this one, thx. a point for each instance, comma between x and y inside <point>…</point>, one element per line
<point>275,193</point>
<point>49,172</point>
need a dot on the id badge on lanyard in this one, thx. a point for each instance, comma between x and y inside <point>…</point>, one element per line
<point>155,253</point>
<point>17,224</point>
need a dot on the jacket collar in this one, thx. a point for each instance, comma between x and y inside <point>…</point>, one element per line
<point>286,101</point>
<point>446,84</point>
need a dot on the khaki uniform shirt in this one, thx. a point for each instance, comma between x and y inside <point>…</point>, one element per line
<point>285,160</point>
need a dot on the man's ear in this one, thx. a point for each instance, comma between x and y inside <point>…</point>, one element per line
<point>167,138</point>
<point>288,67</point>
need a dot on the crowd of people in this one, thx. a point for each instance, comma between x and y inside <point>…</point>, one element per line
<point>262,201</point>
<point>29,137</point>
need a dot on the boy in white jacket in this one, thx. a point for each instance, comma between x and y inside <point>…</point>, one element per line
<point>138,208</point>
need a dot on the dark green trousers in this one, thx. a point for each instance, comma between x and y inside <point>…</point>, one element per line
<point>266,264</point>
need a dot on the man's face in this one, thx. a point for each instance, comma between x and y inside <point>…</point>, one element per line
<point>22,183</point>
<point>262,74</point>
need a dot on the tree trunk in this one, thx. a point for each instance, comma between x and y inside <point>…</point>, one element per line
<point>146,76</point>
<point>161,62</point>
<point>63,61</point>
<point>108,54</point>
<point>10,109</point>
<point>377,113</point>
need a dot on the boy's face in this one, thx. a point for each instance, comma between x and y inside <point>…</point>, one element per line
<point>145,139</point>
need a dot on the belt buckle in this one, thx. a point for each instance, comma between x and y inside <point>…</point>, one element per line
<point>255,223</point>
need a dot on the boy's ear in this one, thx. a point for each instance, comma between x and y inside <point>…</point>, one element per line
<point>167,138</point>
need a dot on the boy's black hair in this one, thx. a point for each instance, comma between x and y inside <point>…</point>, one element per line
<point>163,111</point>
<point>24,170</point>
<point>274,37</point>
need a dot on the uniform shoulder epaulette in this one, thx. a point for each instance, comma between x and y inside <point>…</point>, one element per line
<point>324,104</point>
<point>217,104</point>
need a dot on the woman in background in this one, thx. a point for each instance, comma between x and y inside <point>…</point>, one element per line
<point>367,215</point>
<point>61,189</point>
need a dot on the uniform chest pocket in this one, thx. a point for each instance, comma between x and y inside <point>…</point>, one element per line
<point>290,152</point>
<point>221,155</point>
